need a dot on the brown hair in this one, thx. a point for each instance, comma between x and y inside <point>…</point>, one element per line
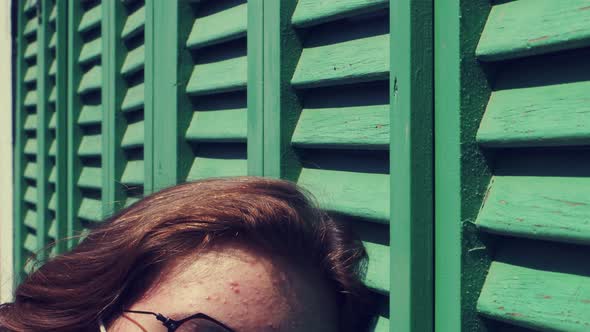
<point>120,259</point>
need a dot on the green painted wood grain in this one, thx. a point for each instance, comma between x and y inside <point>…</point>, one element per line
<point>364,195</point>
<point>221,26</point>
<point>221,76</point>
<point>544,287</point>
<point>311,12</point>
<point>364,127</point>
<point>351,61</point>
<point>546,115</point>
<point>540,207</point>
<point>528,27</point>
<point>226,125</point>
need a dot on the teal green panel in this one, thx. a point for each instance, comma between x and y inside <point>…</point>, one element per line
<point>411,162</point>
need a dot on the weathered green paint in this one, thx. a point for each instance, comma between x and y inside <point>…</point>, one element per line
<point>331,64</point>
<point>529,27</point>
<point>539,207</point>
<point>362,127</point>
<point>411,166</point>
<point>541,286</point>
<point>536,104</point>
<point>311,12</point>
<point>461,174</point>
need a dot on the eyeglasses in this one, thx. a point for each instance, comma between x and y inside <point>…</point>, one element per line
<point>195,323</point>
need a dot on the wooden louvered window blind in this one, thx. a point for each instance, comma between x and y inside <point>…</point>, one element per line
<point>117,99</point>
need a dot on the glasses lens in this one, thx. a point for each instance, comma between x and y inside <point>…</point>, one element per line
<point>200,325</point>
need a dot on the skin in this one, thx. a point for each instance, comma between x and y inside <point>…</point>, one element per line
<point>243,288</point>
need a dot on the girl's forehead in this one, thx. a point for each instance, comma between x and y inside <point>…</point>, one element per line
<point>244,288</point>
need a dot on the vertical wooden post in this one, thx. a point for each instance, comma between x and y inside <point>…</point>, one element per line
<point>411,162</point>
<point>256,87</point>
<point>113,159</point>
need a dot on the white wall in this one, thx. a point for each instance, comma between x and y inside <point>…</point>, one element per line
<point>6,238</point>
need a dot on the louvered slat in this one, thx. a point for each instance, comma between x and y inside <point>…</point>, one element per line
<point>133,173</point>
<point>31,219</point>
<point>311,12</point>
<point>31,171</point>
<point>365,127</point>
<point>31,50</point>
<point>351,61</point>
<point>542,288</point>
<point>90,114</point>
<point>31,74</point>
<point>134,23</point>
<point>91,145</point>
<point>90,51</point>
<point>90,209</point>
<point>31,146</point>
<point>228,125</point>
<point>134,135</point>
<point>134,61</point>
<point>539,207</point>
<point>31,195</point>
<point>222,26</point>
<point>91,80</point>
<point>90,19</point>
<point>358,194</point>
<point>134,98</point>
<point>31,122</point>
<point>529,27</point>
<point>216,77</point>
<point>90,177</point>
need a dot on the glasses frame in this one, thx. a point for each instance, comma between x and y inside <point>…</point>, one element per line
<point>172,324</point>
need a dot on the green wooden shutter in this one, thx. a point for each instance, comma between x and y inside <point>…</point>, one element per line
<point>342,134</point>
<point>123,94</point>
<point>56,117</point>
<point>85,114</point>
<point>537,121</point>
<point>513,132</point>
<point>26,150</point>
<point>132,70</point>
<point>326,114</point>
<point>40,131</point>
<point>216,90</point>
